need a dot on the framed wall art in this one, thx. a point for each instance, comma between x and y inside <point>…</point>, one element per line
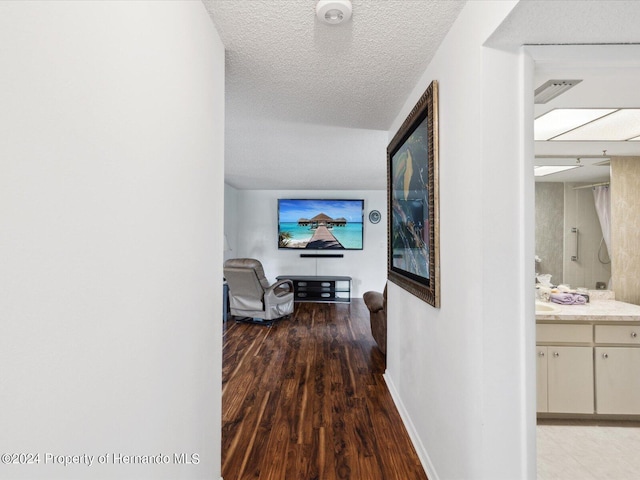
<point>412,194</point>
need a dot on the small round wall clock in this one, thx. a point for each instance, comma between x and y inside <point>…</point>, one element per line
<point>374,216</point>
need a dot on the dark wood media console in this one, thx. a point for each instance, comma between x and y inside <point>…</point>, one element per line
<point>310,288</point>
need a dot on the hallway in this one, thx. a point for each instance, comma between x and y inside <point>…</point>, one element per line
<point>305,399</point>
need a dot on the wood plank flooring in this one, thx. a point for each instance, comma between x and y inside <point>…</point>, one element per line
<point>305,399</point>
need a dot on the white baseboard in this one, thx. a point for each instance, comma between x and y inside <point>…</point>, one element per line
<point>411,430</point>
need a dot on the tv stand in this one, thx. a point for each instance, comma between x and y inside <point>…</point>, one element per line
<point>313,288</point>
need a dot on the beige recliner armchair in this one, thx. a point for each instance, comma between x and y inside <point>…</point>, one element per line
<point>250,295</point>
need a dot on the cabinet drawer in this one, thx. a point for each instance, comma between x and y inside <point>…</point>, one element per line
<point>622,334</point>
<point>564,333</point>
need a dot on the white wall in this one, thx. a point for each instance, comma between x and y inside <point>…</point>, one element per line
<point>111,193</point>
<point>256,232</point>
<point>231,220</point>
<point>461,374</point>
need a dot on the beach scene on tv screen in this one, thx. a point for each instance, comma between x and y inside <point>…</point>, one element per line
<point>320,224</point>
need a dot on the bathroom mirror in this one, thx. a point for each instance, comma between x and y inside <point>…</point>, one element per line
<point>570,244</point>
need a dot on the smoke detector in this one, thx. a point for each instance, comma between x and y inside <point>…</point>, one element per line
<point>333,12</point>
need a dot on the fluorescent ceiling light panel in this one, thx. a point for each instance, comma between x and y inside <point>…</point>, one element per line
<point>551,169</point>
<point>621,125</point>
<point>560,120</point>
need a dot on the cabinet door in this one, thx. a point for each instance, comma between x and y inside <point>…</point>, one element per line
<point>541,377</point>
<point>618,380</point>
<point>570,379</point>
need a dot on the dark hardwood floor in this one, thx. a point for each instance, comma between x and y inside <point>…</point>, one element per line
<point>305,399</point>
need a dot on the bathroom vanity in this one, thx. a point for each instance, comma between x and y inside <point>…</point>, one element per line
<point>588,360</point>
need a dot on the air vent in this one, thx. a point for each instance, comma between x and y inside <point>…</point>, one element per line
<point>551,89</point>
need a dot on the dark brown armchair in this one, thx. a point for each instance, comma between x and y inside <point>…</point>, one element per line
<point>377,304</point>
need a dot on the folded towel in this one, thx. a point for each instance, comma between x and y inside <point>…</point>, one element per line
<point>568,299</point>
<point>562,298</point>
<point>579,299</point>
<point>584,295</point>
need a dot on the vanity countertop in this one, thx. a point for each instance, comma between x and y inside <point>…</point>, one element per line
<point>599,310</point>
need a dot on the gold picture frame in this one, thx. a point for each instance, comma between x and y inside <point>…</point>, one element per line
<point>413,202</point>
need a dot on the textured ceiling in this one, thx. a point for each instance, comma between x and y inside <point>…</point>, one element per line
<point>282,63</point>
<point>308,104</point>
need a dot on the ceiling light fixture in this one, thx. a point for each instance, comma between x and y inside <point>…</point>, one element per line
<point>589,125</point>
<point>561,120</point>
<point>618,126</point>
<point>543,170</point>
<point>333,12</point>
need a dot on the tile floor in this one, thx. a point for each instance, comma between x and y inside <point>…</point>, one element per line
<point>588,452</point>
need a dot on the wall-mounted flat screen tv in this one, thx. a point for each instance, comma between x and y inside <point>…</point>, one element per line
<point>320,224</point>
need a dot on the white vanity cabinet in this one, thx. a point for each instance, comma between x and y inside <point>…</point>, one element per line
<point>589,363</point>
<point>618,380</point>
<point>570,380</point>
<point>617,369</point>
<point>567,384</point>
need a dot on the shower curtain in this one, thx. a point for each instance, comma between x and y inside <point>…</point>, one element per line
<point>602,198</point>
